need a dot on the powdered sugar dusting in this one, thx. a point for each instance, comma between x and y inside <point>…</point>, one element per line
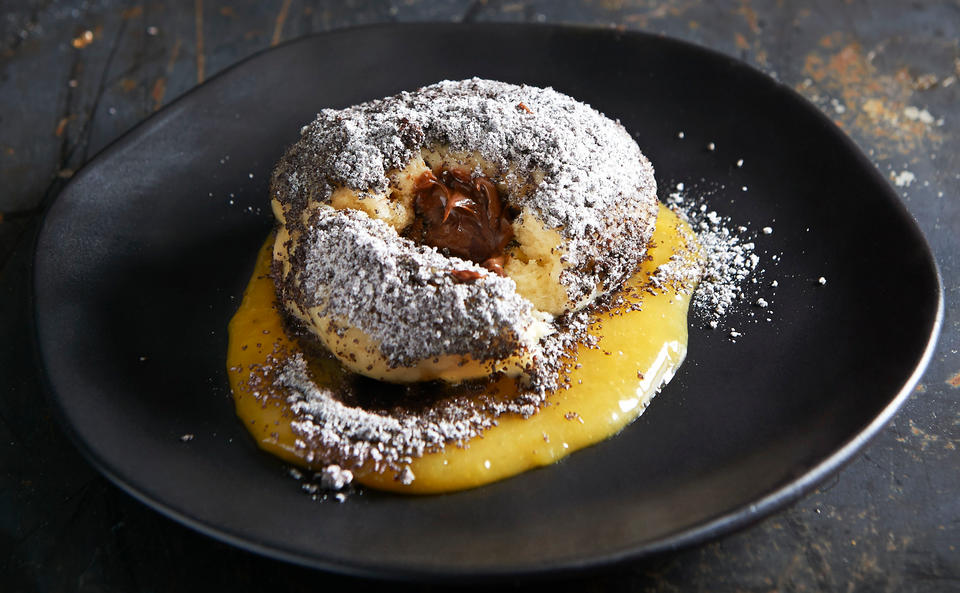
<point>360,436</point>
<point>728,255</point>
<point>596,184</point>
<point>401,294</point>
<point>342,436</point>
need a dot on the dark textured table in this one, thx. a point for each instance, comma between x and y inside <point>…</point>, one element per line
<point>75,75</point>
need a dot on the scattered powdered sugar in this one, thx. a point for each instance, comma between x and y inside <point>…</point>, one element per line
<point>343,437</point>
<point>331,481</point>
<point>384,438</point>
<point>682,271</point>
<point>728,262</point>
<point>334,477</point>
<point>728,257</point>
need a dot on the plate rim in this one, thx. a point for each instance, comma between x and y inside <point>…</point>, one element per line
<point>736,519</point>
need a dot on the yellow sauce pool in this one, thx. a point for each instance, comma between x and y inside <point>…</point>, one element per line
<point>638,350</point>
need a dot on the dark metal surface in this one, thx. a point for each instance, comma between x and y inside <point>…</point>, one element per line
<point>886,71</point>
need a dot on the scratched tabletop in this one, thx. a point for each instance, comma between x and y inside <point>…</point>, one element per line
<point>74,76</point>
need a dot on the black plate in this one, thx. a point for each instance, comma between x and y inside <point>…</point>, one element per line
<point>143,257</point>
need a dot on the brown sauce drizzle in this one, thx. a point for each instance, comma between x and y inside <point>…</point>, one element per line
<point>463,216</point>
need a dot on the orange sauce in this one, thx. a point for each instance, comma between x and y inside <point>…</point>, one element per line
<point>638,350</point>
